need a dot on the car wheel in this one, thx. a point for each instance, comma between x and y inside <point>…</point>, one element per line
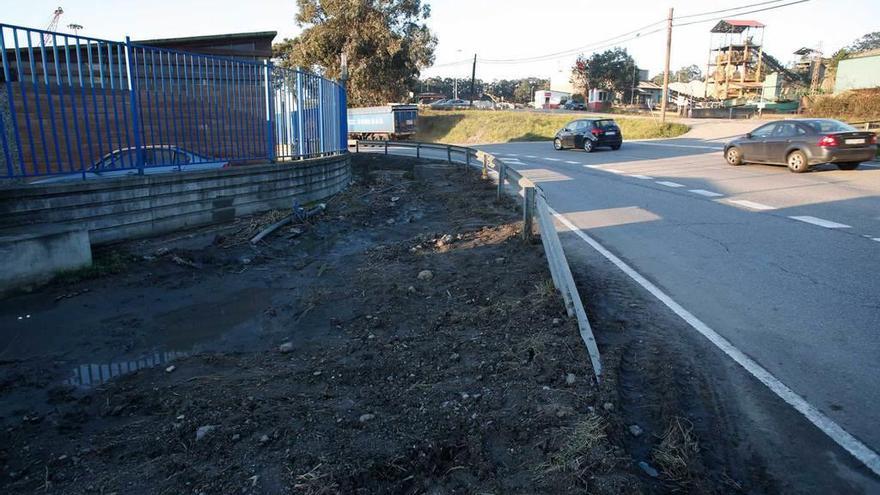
<point>733,156</point>
<point>848,165</point>
<point>616,147</point>
<point>797,162</point>
<point>557,144</point>
<point>588,145</point>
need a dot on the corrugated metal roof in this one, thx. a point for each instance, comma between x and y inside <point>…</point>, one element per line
<point>735,25</point>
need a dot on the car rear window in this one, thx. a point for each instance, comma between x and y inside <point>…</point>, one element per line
<point>605,123</point>
<point>823,126</point>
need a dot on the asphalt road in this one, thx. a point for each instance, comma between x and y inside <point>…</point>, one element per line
<point>784,266</point>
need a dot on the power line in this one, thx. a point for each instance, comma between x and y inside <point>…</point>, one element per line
<point>725,10</point>
<point>740,13</point>
<point>591,47</point>
<point>571,51</point>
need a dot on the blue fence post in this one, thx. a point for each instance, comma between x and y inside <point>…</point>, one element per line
<point>300,118</point>
<point>321,103</point>
<point>270,114</point>
<point>343,116</point>
<point>135,113</point>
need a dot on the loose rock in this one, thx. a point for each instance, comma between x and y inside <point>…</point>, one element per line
<point>285,347</point>
<point>570,379</point>
<point>608,406</point>
<point>366,417</point>
<point>648,469</point>
<point>635,430</point>
<point>203,431</point>
<point>426,275</point>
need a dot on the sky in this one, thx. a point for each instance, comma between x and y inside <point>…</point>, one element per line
<point>493,29</point>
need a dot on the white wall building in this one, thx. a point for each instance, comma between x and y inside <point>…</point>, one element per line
<point>550,99</point>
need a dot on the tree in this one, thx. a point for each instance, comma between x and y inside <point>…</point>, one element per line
<point>386,41</point>
<point>612,70</point>
<point>524,92</point>
<point>687,74</point>
<point>869,41</point>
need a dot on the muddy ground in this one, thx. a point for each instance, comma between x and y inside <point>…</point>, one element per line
<point>405,341</point>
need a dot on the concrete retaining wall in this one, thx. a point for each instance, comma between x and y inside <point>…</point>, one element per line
<point>131,207</point>
<point>35,253</point>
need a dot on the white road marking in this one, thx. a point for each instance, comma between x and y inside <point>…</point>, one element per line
<point>875,239</point>
<point>669,184</point>
<point>708,194</point>
<point>512,154</point>
<point>614,171</point>
<point>530,156</point>
<point>828,224</point>
<point>642,143</point>
<point>751,204</point>
<point>843,438</point>
<point>553,159</point>
<point>593,166</point>
<point>572,162</point>
<point>643,177</point>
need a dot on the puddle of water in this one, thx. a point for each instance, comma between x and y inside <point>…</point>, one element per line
<point>91,375</point>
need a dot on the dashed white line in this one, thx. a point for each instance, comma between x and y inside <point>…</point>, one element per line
<point>821,222</point>
<point>512,154</point>
<point>614,171</point>
<point>669,184</point>
<point>643,177</point>
<point>530,156</point>
<point>593,166</point>
<point>708,194</point>
<point>751,204</point>
<point>553,159</point>
<point>836,432</point>
<point>572,162</point>
<point>642,143</point>
<point>875,239</point>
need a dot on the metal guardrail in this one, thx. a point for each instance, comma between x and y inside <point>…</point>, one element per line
<point>74,104</point>
<point>534,205</point>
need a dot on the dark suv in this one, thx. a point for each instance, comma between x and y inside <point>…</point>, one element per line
<point>589,134</point>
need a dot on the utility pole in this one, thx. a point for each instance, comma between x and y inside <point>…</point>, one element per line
<point>473,76</point>
<point>666,65</point>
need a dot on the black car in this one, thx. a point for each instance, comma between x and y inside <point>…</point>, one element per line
<point>589,134</point>
<point>801,143</point>
<point>574,105</point>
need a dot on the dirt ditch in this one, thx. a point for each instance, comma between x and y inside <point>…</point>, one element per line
<point>405,341</point>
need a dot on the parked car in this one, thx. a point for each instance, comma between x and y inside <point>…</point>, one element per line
<point>453,104</point>
<point>158,159</point>
<point>802,143</point>
<point>437,104</point>
<point>589,134</point>
<point>574,105</point>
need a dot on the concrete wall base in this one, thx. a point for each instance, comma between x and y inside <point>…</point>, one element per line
<point>33,255</point>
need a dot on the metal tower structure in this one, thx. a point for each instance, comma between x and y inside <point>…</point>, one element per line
<point>53,25</point>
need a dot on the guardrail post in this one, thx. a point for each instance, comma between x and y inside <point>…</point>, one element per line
<point>448,154</point>
<point>418,150</point>
<point>528,211</point>
<point>502,172</point>
<point>485,174</point>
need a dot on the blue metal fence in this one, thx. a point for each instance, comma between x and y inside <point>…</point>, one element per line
<point>78,105</point>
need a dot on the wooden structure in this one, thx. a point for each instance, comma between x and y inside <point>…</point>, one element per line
<point>736,59</point>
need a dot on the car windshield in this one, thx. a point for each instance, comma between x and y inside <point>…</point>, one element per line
<point>828,125</point>
<point>605,123</point>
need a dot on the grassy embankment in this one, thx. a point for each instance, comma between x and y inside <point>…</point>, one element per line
<point>480,126</point>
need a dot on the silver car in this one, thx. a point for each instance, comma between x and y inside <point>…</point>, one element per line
<point>802,143</point>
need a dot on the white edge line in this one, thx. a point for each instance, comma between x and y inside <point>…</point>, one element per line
<point>821,222</point>
<point>571,162</point>
<point>843,438</point>
<point>643,177</point>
